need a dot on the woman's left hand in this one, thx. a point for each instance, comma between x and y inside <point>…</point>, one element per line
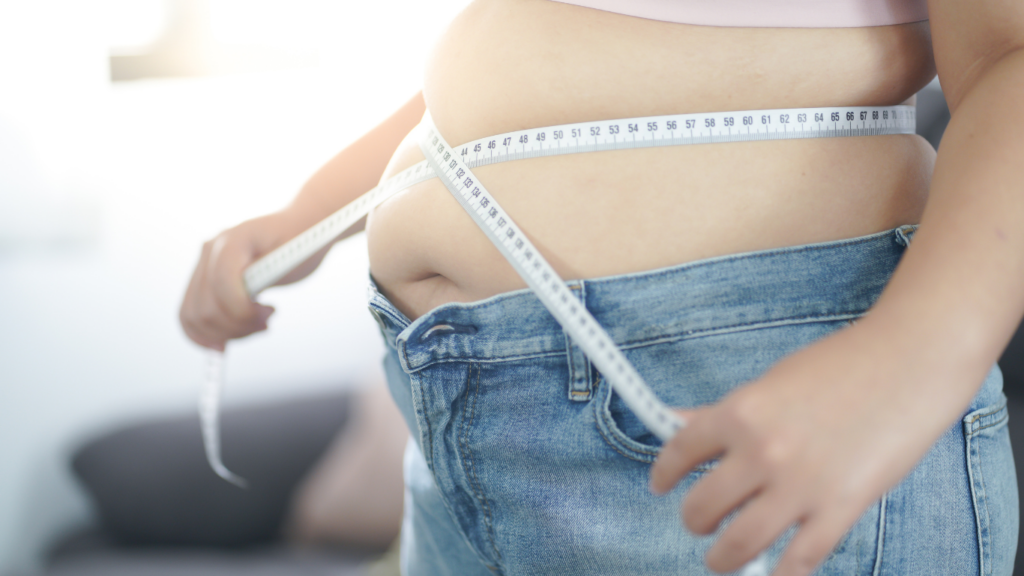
<point>812,443</point>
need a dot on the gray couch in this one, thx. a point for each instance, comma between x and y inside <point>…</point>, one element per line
<point>163,512</point>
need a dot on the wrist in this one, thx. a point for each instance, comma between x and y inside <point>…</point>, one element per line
<point>269,231</point>
<point>936,368</point>
<point>935,328</point>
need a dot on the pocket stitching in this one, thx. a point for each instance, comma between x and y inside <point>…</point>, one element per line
<point>976,476</point>
<point>1002,406</point>
<point>602,415</point>
<point>883,504</point>
<point>421,418</point>
<point>744,327</point>
<point>617,440</point>
<point>467,456</point>
<point>623,444</point>
<point>977,470</point>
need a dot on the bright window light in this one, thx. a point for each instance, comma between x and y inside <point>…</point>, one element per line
<point>274,23</point>
<point>133,25</point>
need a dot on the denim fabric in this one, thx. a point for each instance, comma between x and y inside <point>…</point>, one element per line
<point>524,461</point>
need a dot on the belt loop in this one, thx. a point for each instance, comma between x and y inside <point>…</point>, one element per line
<point>905,233</point>
<point>580,374</point>
<point>403,356</point>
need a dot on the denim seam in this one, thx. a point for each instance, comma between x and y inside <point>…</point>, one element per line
<point>636,449</point>
<point>971,473</point>
<point>639,453</point>
<point>612,445</point>
<point>428,458</point>
<point>477,360</point>
<point>422,416</point>
<point>574,285</point>
<point>984,544</point>
<point>573,393</point>
<point>653,340</point>
<point>990,425</point>
<point>742,327</point>
<point>972,431</point>
<point>383,306</point>
<point>983,528</point>
<point>403,355</point>
<point>467,456</point>
<point>581,395</point>
<point>880,545</point>
<point>623,451</point>
<point>983,524</point>
<point>578,395</point>
<point>599,418</point>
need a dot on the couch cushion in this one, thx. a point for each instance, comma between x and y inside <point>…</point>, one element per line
<point>152,485</point>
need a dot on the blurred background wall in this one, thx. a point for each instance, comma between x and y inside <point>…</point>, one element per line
<point>130,132</point>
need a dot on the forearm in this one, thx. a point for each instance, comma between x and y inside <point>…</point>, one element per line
<point>831,428</point>
<point>354,170</point>
<point>958,294</point>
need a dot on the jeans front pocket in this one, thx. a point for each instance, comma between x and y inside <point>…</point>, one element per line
<point>641,446</point>
<point>696,370</point>
<point>993,484</point>
<point>621,430</point>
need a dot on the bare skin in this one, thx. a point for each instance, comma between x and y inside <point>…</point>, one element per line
<point>793,452</point>
<point>537,63</point>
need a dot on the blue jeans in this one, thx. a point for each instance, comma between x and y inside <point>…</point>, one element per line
<point>524,461</point>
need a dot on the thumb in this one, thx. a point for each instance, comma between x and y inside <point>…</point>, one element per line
<point>263,312</point>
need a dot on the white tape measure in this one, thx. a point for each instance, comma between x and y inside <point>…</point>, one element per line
<point>453,165</point>
<point>546,284</point>
<point>648,132</point>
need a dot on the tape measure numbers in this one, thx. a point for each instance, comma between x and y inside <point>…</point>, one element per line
<point>548,286</point>
<point>647,132</point>
<point>454,167</point>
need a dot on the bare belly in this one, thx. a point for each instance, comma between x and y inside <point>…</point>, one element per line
<point>535,63</point>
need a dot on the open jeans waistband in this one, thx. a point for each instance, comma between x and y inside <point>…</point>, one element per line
<point>831,280</point>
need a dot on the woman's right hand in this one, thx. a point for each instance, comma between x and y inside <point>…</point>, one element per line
<point>216,307</point>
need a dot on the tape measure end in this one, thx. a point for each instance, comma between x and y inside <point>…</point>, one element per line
<point>756,567</point>
<point>233,478</point>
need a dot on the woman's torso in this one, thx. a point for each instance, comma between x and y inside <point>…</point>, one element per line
<point>533,63</point>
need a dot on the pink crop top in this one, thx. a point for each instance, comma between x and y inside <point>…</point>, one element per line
<point>769,13</point>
